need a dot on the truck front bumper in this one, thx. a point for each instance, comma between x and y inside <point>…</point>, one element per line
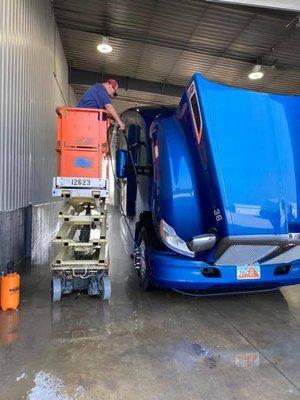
<point>176,272</point>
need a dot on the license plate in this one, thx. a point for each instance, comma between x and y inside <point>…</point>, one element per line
<point>247,272</point>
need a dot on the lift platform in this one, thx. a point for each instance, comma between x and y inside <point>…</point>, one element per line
<point>83,260</point>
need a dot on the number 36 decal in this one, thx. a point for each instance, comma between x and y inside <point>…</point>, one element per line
<point>218,215</point>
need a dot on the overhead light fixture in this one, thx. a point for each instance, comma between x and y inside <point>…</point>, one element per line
<point>256,72</point>
<point>104,46</point>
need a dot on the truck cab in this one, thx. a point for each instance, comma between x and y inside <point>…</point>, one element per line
<point>214,186</point>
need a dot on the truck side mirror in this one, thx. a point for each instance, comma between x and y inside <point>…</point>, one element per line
<point>121,163</point>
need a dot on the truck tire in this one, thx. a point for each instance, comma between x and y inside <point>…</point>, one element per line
<point>146,235</point>
<point>144,270</point>
<point>146,221</point>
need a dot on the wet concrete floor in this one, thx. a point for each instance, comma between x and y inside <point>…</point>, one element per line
<point>156,345</point>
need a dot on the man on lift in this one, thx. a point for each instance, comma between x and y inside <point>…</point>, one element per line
<point>97,96</point>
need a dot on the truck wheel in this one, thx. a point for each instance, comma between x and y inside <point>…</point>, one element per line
<point>144,270</point>
<point>146,221</point>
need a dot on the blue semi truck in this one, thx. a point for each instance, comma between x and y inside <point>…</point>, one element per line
<point>219,180</point>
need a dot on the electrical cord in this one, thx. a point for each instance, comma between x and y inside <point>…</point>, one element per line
<point>60,89</point>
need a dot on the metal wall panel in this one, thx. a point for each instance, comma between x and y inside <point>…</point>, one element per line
<point>33,81</point>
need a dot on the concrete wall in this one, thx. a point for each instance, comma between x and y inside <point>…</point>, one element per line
<point>33,81</point>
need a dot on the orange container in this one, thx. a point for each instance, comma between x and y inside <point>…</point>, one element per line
<point>81,141</point>
<point>79,163</point>
<point>10,291</point>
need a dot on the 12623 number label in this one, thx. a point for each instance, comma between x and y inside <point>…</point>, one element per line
<point>80,182</point>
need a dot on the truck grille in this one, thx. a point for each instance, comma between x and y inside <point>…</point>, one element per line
<point>290,255</point>
<point>242,254</point>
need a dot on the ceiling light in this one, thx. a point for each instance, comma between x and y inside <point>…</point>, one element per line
<point>256,72</point>
<point>104,46</point>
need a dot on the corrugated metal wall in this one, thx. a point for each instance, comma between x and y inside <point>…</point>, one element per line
<point>33,81</point>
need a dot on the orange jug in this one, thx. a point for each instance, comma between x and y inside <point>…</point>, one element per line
<point>10,290</point>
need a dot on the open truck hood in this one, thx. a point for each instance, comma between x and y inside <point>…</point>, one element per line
<point>254,153</point>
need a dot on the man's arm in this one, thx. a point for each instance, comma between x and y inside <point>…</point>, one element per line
<point>111,109</point>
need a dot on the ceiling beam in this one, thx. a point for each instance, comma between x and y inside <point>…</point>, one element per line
<point>82,77</point>
<point>288,5</point>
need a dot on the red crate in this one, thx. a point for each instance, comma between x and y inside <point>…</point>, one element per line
<point>79,163</point>
<point>81,127</point>
<point>81,141</point>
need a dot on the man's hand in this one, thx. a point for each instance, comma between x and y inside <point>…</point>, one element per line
<point>111,110</point>
<point>122,125</point>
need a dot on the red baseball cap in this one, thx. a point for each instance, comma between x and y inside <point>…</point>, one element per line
<point>114,85</point>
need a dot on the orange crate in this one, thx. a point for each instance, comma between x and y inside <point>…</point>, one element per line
<point>79,163</point>
<point>81,127</point>
<point>81,141</point>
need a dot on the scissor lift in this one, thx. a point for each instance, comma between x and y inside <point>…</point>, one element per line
<point>83,260</point>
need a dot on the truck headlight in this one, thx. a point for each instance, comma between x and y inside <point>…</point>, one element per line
<point>170,238</point>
